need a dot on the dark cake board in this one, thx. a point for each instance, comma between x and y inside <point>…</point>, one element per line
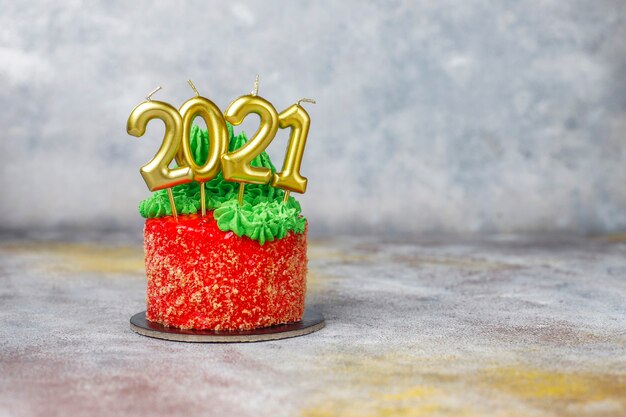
<point>312,321</point>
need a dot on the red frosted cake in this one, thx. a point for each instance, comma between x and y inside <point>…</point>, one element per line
<point>240,267</point>
<point>225,243</point>
<point>200,277</point>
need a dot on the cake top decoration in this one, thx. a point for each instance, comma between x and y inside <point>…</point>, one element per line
<point>220,171</point>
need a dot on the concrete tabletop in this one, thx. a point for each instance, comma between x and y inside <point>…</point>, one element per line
<point>499,326</point>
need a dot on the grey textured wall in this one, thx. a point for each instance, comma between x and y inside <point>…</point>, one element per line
<point>444,116</point>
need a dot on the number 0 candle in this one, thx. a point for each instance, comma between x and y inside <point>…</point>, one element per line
<point>218,140</point>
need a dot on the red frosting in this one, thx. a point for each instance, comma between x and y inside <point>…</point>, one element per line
<point>200,277</point>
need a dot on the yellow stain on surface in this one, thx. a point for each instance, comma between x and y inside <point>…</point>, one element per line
<point>316,280</point>
<point>107,259</point>
<point>407,385</point>
<point>612,238</point>
<point>317,250</point>
<point>383,386</point>
<point>411,393</point>
<point>77,257</point>
<point>535,384</point>
<point>92,257</point>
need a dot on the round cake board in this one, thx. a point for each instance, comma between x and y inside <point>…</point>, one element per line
<point>312,321</point>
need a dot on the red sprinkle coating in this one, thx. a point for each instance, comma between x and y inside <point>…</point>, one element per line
<point>200,277</point>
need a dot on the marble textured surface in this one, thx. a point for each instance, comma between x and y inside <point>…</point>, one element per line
<point>500,326</point>
<point>472,116</point>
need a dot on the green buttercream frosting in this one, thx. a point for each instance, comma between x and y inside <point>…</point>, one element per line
<point>262,217</point>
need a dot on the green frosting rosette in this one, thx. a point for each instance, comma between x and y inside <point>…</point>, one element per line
<point>262,217</point>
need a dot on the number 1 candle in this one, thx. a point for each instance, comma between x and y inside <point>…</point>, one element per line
<point>289,179</point>
<point>218,140</point>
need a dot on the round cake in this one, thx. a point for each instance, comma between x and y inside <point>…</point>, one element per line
<point>201,277</point>
<point>241,266</point>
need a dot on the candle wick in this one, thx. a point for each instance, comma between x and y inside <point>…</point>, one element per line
<point>306,100</point>
<point>193,87</point>
<point>149,96</point>
<point>255,92</point>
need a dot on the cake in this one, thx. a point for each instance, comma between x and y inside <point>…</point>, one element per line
<point>242,266</point>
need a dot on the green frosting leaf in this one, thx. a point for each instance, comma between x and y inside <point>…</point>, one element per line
<point>262,217</point>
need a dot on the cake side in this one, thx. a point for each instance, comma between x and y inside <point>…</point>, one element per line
<point>200,277</point>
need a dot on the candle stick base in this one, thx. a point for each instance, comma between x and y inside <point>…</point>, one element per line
<point>242,187</point>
